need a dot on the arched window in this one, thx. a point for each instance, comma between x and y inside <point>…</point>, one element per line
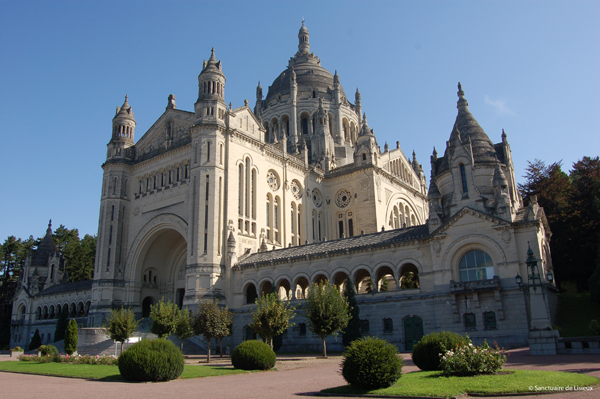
<point>276,219</point>
<point>476,265</point>
<point>463,176</point>
<point>269,218</point>
<point>251,294</point>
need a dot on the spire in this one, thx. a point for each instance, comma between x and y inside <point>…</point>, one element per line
<point>503,136</point>
<point>263,246</point>
<point>462,102</point>
<point>366,131</point>
<point>124,111</point>
<point>357,95</point>
<point>336,78</point>
<point>49,229</point>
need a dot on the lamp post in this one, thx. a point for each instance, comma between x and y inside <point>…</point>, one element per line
<point>537,303</point>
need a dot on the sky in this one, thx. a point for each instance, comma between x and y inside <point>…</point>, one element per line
<point>531,68</point>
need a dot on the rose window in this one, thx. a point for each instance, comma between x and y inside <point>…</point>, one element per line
<point>342,198</point>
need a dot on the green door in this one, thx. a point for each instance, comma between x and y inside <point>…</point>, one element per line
<point>413,332</point>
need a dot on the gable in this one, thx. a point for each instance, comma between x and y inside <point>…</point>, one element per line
<point>244,121</point>
<point>171,130</point>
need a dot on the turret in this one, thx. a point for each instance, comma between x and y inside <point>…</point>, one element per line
<point>501,195</point>
<point>259,97</point>
<point>303,44</point>
<point>122,132</point>
<point>210,105</point>
<point>366,146</point>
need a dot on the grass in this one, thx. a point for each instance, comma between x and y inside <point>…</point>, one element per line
<point>575,311</point>
<point>432,383</point>
<point>102,372</point>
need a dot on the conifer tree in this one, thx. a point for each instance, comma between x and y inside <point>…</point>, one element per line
<point>61,324</point>
<point>36,341</point>
<point>352,331</point>
<point>71,337</point>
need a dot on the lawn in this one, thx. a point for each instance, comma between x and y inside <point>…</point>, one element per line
<point>101,372</point>
<point>431,383</point>
<point>575,311</point>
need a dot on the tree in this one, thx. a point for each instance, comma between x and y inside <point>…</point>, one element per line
<point>184,326</point>
<point>385,286</point>
<point>164,316</point>
<point>271,317</point>
<point>36,341</point>
<point>227,317</point>
<point>61,324</point>
<point>71,337</point>
<point>327,311</point>
<point>120,325</point>
<point>352,330</point>
<point>79,254</point>
<point>369,283</point>
<point>210,322</point>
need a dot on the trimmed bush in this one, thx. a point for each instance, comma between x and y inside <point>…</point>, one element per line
<point>426,353</point>
<point>253,355</point>
<point>46,350</point>
<point>468,360</point>
<point>371,363</point>
<point>151,360</point>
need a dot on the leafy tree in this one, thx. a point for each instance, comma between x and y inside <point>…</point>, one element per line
<point>327,311</point>
<point>61,324</point>
<point>352,330</point>
<point>184,326</point>
<point>227,317</point>
<point>271,317</point>
<point>385,286</point>
<point>120,325</point>
<point>71,337</point>
<point>594,281</point>
<point>164,317</point>
<point>369,283</point>
<point>79,254</point>
<point>36,341</point>
<point>211,322</point>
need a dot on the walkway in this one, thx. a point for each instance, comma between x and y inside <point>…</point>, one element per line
<point>295,376</point>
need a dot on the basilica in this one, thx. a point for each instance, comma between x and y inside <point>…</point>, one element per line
<point>228,203</point>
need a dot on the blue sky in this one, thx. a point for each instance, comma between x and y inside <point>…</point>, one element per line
<point>529,67</point>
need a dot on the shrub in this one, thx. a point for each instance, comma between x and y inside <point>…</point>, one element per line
<point>426,353</point>
<point>467,360</point>
<point>253,355</point>
<point>71,337</point>
<point>151,360</point>
<point>371,363</point>
<point>17,349</point>
<point>48,350</point>
<point>77,359</point>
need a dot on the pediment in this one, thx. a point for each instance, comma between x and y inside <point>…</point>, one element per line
<point>470,216</point>
<point>172,127</point>
<point>244,121</point>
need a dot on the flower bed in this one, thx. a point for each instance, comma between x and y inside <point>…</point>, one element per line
<point>467,359</point>
<point>74,359</point>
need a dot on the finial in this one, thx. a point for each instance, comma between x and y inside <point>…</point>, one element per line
<point>302,21</point>
<point>460,93</point>
<point>503,135</point>
<point>50,224</point>
<point>246,102</point>
<point>364,118</point>
<point>434,152</point>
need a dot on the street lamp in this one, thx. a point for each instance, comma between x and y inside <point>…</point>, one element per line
<point>533,274</point>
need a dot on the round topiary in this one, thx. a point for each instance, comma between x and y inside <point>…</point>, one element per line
<point>426,353</point>
<point>48,350</point>
<point>151,360</point>
<point>371,363</point>
<point>253,355</point>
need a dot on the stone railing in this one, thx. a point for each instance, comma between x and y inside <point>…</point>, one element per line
<point>458,287</point>
<point>578,345</point>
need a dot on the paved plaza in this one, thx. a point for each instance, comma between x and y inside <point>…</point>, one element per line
<point>296,376</point>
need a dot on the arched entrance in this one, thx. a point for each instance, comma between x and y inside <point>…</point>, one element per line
<point>160,268</point>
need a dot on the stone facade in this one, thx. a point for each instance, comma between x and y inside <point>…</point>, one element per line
<point>227,203</point>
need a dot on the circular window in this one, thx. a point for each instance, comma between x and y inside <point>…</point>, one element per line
<point>343,197</point>
<point>296,189</point>
<point>476,265</point>
<point>317,198</point>
<point>273,180</point>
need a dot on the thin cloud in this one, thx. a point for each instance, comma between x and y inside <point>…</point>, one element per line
<point>500,106</point>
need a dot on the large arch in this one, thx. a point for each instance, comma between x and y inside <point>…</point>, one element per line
<point>461,246</point>
<point>157,261</point>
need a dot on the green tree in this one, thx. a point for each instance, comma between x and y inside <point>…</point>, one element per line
<point>327,311</point>
<point>120,325</point>
<point>184,326</point>
<point>369,283</point>
<point>36,341</point>
<point>79,254</point>
<point>227,317</point>
<point>352,330</point>
<point>385,286</point>
<point>71,337</point>
<point>164,317</point>
<point>271,317</point>
<point>61,324</point>
<point>210,322</point>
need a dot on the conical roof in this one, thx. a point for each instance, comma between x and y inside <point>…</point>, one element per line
<point>467,129</point>
<point>125,110</point>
